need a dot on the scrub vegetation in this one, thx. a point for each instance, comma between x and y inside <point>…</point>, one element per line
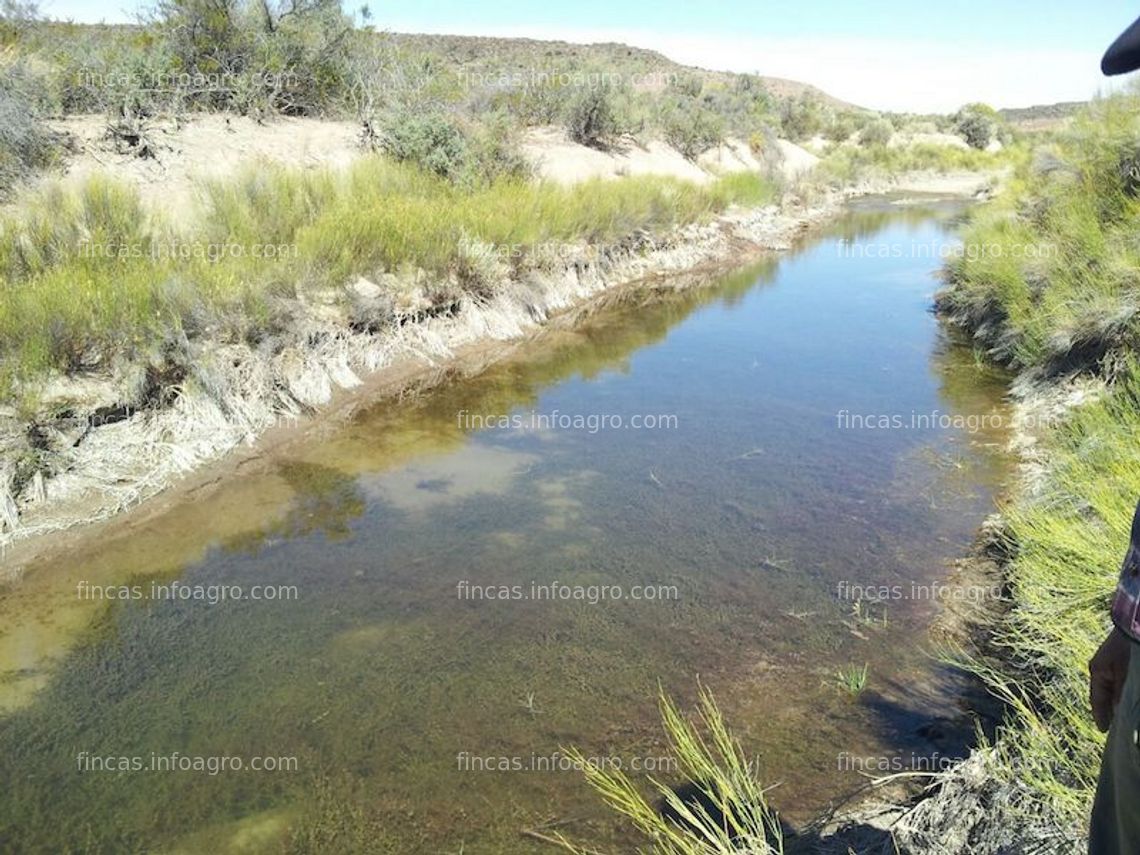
<point>454,105</point>
<point>1053,292</point>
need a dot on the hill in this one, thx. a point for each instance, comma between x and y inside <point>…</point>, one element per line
<point>1041,117</point>
<point>522,59</point>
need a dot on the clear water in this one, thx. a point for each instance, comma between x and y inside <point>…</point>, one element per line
<point>756,507</point>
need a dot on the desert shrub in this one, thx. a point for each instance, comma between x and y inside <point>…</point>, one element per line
<point>688,86</point>
<point>744,106</point>
<point>752,88</point>
<point>692,128</point>
<point>431,141</point>
<point>977,124</point>
<point>975,130</point>
<point>592,118</point>
<point>801,118</point>
<point>25,143</point>
<point>286,56</point>
<point>544,103</point>
<point>16,17</point>
<point>495,153</point>
<point>878,132</point>
<point>129,74</point>
<point>384,76</point>
<point>921,126</point>
<point>245,55</point>
<point>471,155</point>
<point>591,114</point>
<point>841,127</point>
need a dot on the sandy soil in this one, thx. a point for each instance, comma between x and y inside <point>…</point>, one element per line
<point>213,146</point>
<point>795,160</point>
<point>732,155</point>
<point>207,146</point>
<point>558,158</point>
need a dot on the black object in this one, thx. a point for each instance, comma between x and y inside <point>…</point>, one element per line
<point>1123,55</point>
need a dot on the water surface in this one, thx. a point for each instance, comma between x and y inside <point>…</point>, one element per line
<point>759,499</point>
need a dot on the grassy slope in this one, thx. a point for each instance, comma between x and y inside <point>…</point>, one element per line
<point>85,276</point>
<point>1053,289</point>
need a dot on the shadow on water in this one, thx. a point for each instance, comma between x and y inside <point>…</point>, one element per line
<point>424,719</point>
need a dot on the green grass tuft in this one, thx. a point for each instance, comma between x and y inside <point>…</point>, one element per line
<point>732,815</point>
<point>852,679</point>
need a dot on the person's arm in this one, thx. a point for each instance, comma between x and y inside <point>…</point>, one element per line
<point>1107,671</point>
<point>1109,666</point>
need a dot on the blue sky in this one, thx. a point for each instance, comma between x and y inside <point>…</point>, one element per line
<point>889,54</point>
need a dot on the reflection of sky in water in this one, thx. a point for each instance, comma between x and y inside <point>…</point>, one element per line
<point>754,507</point>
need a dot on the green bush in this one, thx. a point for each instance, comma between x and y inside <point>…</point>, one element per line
<point>878,132</point>
<point>245,55</point>
<point>692,129</point>
<point>841,127</point>
<point>16,17</point>
<point>541,104</point>
<point>592,117</point>
<point>430,141</point>
<point>977,124</point>
<point>480,154</point>
<point>495,153</point>
<point>801,118</point>
<point>744,106</point>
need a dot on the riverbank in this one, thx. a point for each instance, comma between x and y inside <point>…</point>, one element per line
<point>1018,790</point>
<point>1053,300</point>
<point>107,458</point>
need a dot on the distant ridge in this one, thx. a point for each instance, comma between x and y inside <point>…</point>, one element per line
<point>492,54</point>
<point>1042,117</point>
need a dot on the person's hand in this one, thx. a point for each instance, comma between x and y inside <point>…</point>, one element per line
<point>1107,672</point>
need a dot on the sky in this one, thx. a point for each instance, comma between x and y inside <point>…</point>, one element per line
<point>884,54</point>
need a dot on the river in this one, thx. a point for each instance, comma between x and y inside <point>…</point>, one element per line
<point>408,617</point>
